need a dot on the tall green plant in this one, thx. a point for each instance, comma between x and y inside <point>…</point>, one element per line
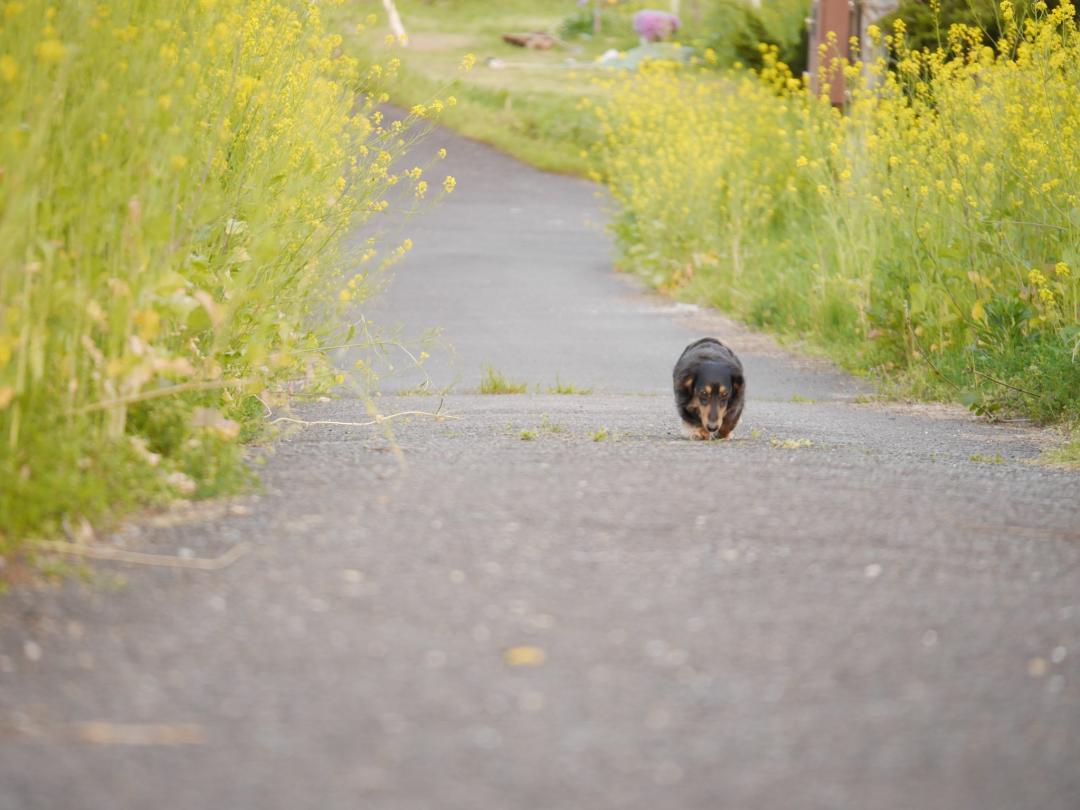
<point>174,179</point>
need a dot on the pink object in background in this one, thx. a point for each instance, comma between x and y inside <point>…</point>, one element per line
<point>653,26</point>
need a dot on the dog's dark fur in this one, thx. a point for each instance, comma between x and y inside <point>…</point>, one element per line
<point>710,388</point>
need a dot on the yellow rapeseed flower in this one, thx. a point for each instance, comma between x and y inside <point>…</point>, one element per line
<point>9,70</point>
<point>50,50</point>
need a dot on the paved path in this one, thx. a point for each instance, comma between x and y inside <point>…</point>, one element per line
<point>873,621</point>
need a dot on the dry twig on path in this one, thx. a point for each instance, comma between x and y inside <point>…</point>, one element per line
<point>379,419</point>
<point>143,558</point>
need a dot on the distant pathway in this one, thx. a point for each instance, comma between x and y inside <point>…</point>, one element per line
<point>848,606</point>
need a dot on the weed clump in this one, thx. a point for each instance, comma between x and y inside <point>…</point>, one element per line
<point>493,382</point>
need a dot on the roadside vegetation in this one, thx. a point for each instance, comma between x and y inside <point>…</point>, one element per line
<point>174,182</point>
<point>929,236</point>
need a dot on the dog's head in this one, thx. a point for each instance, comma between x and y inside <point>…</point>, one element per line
<point>709,391</point>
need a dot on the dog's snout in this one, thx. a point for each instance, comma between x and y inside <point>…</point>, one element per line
<point>715,415</point>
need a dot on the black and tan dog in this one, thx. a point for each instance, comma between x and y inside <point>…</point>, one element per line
<point>709,389</point>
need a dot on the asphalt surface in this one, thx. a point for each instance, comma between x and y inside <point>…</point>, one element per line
<point>554,601</point>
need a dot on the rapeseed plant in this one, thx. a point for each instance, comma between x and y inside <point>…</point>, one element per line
<point>174,180</point>
<point>930,233</point>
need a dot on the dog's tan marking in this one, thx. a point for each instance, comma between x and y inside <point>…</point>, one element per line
<point>687,381</point>
<point>701,411</point>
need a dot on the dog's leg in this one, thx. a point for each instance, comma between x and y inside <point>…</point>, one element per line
<point>731,419</point>
<point>694,431</point>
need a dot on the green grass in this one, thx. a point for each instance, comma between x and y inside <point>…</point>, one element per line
<point>550,427</point>
<point>493,382</point>
<point>791,444</point>
<point>546,426</point>
<point>568,389</point>
<point>600,435</point>
<point>1068,454</point>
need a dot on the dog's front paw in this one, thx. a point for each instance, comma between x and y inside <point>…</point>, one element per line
<point>695,432</point>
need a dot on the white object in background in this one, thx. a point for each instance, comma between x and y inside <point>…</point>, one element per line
<point>395,22</point>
